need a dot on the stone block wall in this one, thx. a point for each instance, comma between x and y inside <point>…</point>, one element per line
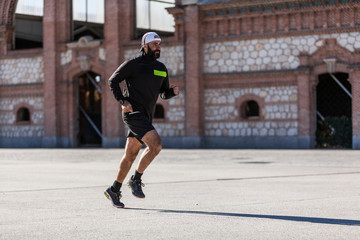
<point>174,123</point>
<point>221,55</point>
<point>268,54</point>
<point>278,112</point>
<point>21,131</point>
<point>21,71</point>
<point>278,104</point>
<point>25,72</point>
<point>10,128</point>
<point>176,111</point>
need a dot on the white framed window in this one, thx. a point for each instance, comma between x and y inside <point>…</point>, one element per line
<point>152,15</point>
<point>30,7</point>
<point>29,24</point>
<point>88,11</point>
<point>88,19</point>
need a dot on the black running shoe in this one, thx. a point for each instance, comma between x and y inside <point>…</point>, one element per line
<point>114,198</point>
<point>135,185</point>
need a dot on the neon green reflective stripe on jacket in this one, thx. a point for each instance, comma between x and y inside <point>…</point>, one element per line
<point>159,73</point>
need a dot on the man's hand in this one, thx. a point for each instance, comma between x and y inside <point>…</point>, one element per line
<point>175,89</point>
<point>126,107</point>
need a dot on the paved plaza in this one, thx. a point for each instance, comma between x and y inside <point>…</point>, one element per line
<point>190,194</point>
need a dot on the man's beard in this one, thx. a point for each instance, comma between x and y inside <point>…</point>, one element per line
<point>153,54</point>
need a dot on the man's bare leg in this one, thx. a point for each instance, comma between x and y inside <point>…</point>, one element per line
<point>132,149</point>
<point>154,146</point>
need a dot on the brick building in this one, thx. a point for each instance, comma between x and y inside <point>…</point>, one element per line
<point>252,74</point>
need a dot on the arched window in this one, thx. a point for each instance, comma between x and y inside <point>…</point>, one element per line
<point>250,109</point>
<point>159,112</point>
<point>23,115</point>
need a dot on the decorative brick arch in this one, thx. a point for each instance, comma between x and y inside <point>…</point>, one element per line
<point>28,107</point>
<point>250,97</point>
<point>7,9</point>
<point>330,49</point>
<point>314,65</point>
<point>7,16</point>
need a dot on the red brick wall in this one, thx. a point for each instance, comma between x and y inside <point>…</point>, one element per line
<point>355,87</point>
<point>195,25</point>
<point>50,29</point>
<point>193,80</point>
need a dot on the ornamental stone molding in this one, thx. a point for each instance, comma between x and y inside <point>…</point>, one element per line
<point>84,42</point>
<point>84,61</point>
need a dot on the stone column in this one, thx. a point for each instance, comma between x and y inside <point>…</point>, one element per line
<point>354,78</point>
<point>117,31</point>
<point>193,81</point>
<point>305,136</point>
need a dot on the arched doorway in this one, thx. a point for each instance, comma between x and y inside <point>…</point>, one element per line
<point>334,111</point>
<point>89,105</point>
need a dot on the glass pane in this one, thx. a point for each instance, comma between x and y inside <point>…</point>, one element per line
<point>96,11</point>
<point>79,10</point>
<point>30,7</point>
<point>142,14</point>
<point>160,18</point>
<point>168,1</point>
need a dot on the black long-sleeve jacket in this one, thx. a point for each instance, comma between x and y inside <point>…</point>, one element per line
<point>145,79</point>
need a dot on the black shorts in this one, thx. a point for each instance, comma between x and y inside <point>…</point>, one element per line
<point>138,124</point>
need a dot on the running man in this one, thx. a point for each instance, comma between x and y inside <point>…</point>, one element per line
<point>145,78</point>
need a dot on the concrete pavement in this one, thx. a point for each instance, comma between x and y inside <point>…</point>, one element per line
<point>190,194</point>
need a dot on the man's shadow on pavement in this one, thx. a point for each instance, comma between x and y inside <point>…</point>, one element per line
<point>334,221</point>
